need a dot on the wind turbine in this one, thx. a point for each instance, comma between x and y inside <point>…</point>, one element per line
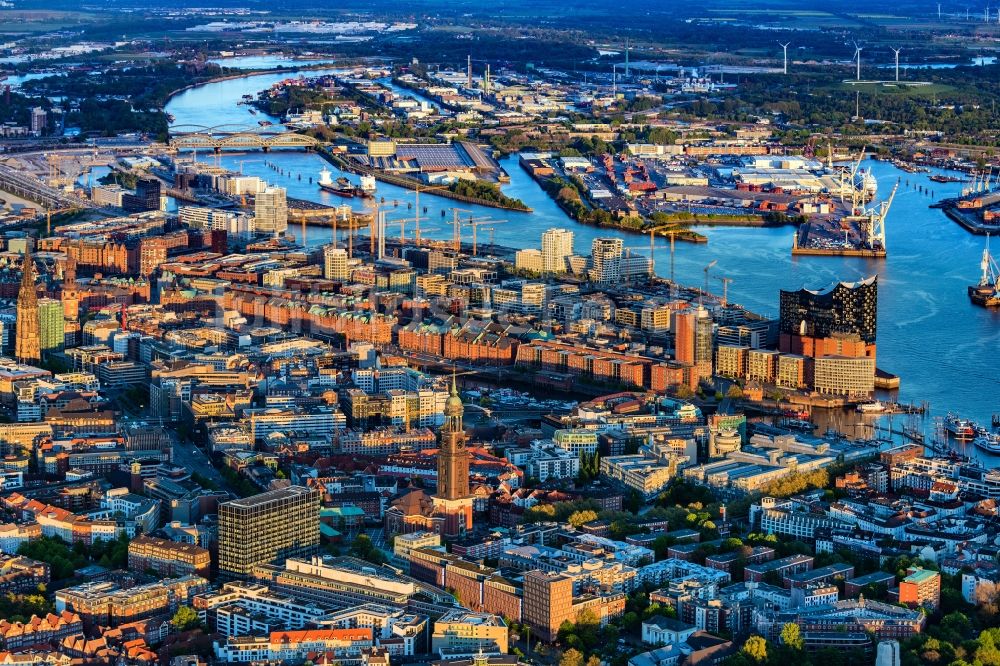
<point>784,48</point>
<point>857,56</point>
<point>896,51</point>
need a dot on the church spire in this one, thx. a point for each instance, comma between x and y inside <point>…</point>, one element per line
<point>454,409</point>
<point>28,343</point>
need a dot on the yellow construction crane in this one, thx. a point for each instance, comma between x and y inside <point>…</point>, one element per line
<point>59,177</point>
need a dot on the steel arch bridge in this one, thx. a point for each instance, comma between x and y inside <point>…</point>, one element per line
<point>239,137</point>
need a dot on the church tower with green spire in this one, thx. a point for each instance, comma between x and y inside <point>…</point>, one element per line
<point>453,499</point>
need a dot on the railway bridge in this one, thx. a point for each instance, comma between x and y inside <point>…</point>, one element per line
<point>238,137</point>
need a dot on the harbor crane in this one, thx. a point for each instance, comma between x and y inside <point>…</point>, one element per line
<point>873,222</point>
<point>990,276</point>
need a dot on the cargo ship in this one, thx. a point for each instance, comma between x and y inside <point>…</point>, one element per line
<point>342,187</point>
<point>945,179</point>
<point>865,184</point>
<point>987,292</point>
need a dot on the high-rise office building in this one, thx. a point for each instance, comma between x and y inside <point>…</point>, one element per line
<point>39,120</point>
<point>683,328</point>
<point>548,602</point>
<point>606,260</point>
<point>263,528</point>
<point>335,265</point>
<point>557,244</point>
<point>271,211</point>
<point>146,197</point>
<point>694,340</point>
<point>51,326</point>
<point>453,499</point>
<point>704,337</point>
<point>845,307</point>
<point>28,341</point>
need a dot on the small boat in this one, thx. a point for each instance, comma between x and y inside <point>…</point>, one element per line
<point>987,291</point>
<point>264,123</point>
<point>870,407</point>
<point>937,178</point>
<point>253,112</point>
<point>988,442</point>
<point>797,424</point>
<point>959,428</point>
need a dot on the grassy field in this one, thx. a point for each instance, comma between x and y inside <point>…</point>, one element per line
<point>932,90</point>
<point>35,21</point>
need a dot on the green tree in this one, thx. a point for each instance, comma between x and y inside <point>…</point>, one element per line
<point>791,636</point>
<point>185,619</point>
<point>363,548</point>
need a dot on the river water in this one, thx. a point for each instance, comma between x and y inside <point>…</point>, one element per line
<point>944,348</point>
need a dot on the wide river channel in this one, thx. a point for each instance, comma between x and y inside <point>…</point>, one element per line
<point>946,350</point>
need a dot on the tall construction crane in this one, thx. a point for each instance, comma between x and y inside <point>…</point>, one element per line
<point>401,222</point>
<point>475,223</point>
<point>701,296</point>
<point>242,162</point>
<point>457,222</point>
<point>725,289</point>
<point>672,234</point>
<point>416,205</point>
